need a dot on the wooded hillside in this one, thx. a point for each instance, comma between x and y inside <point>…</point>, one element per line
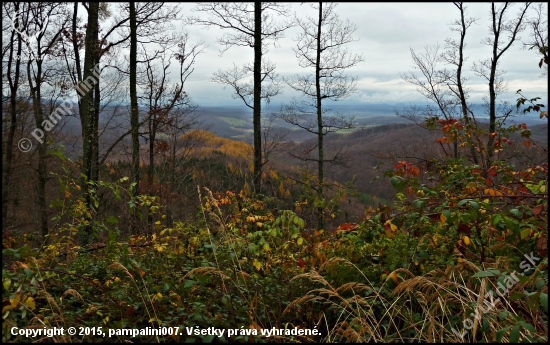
<point>127,216</point>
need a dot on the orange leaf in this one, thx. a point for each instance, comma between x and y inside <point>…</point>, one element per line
<point>492,192</point>
<point>537,210</point>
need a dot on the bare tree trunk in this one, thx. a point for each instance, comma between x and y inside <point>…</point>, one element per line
<point>499,45</point>
<point>257,117</point>
<point>461,93</point>
<point>320,135</point>
<point>39,119</point>
<point>134,116</point>
<point>87,110</point>
<point>13,80</point>
<point>151,171</point>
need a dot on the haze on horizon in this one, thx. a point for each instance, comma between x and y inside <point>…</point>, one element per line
<point>385,34</point>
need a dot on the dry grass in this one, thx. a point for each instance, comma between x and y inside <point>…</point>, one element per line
<point>435,297</point>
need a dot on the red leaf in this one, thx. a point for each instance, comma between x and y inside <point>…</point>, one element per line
<point>488,181</point>
<point>464,228</point>
<point>301,263</point>
<point>523,189</point>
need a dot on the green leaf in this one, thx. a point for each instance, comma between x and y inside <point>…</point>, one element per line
<point>528,327</point>
<point>394,181</point>
<point>516,296</point>
<point>462,202</point>
<point>28,272</point>
<point>189,283</point>
<point>544,301</point>
<point>483,274</point>
<point>500,333</point>
<point>502,315</point>
<point>516,212</point>
<point>112,220</point>
<point>208,338</point>
<point>514,335</point>
<point>522,279</point>
<point>496,219</point>
<point>474,205</point>
<point>494,270</point>
<point>447,214</point>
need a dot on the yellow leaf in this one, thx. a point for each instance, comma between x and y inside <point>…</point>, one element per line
<point>394,277</point>
<point>300,241</point>
<point>392,226</point>
<point>7,284</point>
<point>154,237</point>
<point>266,247</point>
<point>466,240</point>
<point>15,301</point>
<point>443,218</point>
<point>257,264</point>
<point>30,303</point>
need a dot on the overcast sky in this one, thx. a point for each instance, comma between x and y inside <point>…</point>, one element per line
<point>385,34</point>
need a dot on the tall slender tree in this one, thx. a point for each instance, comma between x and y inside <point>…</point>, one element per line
<point>250,25</point>
<point>13,74</point>
<point>134,110</point>
<point>168,105</point>
<point>320,47</point>
<point>45,21</point>
<point>87,111</point>
<point>503,32</point>
<point>446,87</point>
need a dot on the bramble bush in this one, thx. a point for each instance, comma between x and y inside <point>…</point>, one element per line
<point>419,269</point>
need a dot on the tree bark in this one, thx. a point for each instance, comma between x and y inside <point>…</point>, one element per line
<point>257,116</point>
<point>320,135</point>
<point>13,81</point>
<point>87,110</point>
<point>134,116</point>
<point>36,94</point>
